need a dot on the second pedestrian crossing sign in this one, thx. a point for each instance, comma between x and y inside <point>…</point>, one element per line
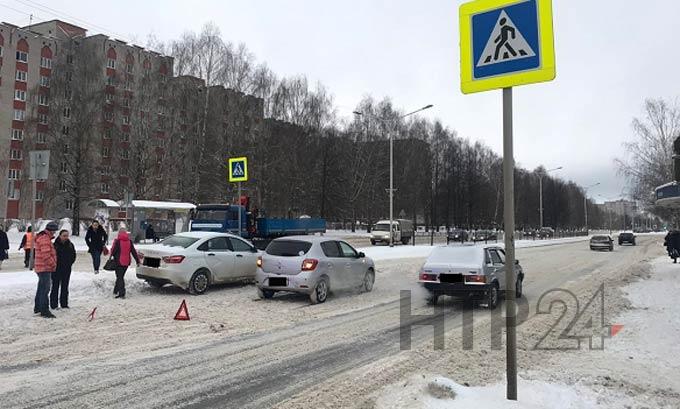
<point>238,169</point>
<point>505,43</point>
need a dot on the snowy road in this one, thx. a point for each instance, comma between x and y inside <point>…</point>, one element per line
<point>238,352</point>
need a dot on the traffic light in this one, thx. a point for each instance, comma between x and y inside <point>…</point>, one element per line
<point>676,159</point>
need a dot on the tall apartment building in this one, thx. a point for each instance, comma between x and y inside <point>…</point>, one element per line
<point>26,69</point>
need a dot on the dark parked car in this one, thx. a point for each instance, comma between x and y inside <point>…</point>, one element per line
<point>484,235</point>
<point>602,242</point>
<point>626,237</point>
<point>457,235</point>
<point>546,233</point>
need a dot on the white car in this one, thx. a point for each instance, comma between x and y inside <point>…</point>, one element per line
<point>195,260</point>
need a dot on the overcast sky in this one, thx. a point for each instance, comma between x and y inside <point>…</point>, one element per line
<point>611,55</point>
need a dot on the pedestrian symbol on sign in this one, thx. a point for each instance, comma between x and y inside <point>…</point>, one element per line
<point>238,170</point>
<point>506,43</point>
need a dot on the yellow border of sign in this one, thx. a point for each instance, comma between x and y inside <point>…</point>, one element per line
<point>546,72</point>
<point>245,169</point>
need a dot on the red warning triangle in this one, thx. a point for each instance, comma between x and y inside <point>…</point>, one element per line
<point>615,329</point>
<point>182,312</point>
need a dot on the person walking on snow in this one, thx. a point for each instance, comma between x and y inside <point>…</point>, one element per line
<point>4,246</point>
<point>96,239</point>
<point>45,265</point>
<point>26,244</point>
<point>123,251</point>
<point>66,256</point>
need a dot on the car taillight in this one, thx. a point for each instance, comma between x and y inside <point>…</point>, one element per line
<point>259,261</point>
<point>476,279</point>
<point>309,264</point>
<point>173,259</point>
<point>428,277</point>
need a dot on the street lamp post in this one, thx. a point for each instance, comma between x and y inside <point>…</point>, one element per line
<point>540,193</point>
<point>585,203</point>
<point>385,121</point>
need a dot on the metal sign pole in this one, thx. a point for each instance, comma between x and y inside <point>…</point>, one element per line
<point>239,209</point>
<point>509,217</point>
<point>31,262</point>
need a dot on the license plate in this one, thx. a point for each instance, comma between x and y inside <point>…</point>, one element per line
<point>152,262</point>
<point>450,278</point>
<point>277,282</point>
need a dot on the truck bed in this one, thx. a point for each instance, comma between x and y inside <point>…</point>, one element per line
<point>267,227</point>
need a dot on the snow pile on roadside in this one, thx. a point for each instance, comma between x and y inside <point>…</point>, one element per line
<point>435,392</point>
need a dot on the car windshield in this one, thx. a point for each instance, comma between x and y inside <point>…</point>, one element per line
<point>179,241</point>
<point>381,227</point>
<point>463,256</point>
<point>288,248</point>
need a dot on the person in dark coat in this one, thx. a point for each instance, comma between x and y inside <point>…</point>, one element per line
<point>151,233</point>
<point>123,251</point>
<point>96,239</point>
<point>672,243</point>
<point>4,246</point>
<point>66,256</point>
<point>26,244</point>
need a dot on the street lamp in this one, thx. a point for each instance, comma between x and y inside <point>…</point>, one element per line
<point>540,192</point>
<point>585,202</point>
<point>391,190</point>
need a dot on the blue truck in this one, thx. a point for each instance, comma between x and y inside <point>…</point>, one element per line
<point>260,230</point>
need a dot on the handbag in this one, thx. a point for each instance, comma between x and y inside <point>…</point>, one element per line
<point>111,264</point>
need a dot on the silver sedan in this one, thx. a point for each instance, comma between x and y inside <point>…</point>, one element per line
<point>314,266</point>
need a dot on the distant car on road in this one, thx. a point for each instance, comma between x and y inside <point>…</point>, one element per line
<point>602,242</point>
<point>457,235</point>
<point>484,235</point>
<point>314,266</point>
<point>546,233</point>
<point>626,237</point>
<point>475,272</point>
<point>402,232</point>
<point>195,260</point>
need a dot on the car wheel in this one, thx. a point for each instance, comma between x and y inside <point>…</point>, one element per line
<point>611,248</point>
<point>265,294</point>
<point>372,242</point>
<point>320,292</point>
<point>432,299</point>
<point>199,282</point>
<point>518,288</point>
<point>155,284</point>
<point>492,297</point>
<point>369,279</point>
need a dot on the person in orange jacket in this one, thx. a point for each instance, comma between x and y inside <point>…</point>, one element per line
<point>26,243</point>
<point>45,265</point>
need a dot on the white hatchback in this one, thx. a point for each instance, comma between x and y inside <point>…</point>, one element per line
<point>195,260</point>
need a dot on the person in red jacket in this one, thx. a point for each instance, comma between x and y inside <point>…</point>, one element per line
<point>45,265</point>
<point>123,251</point>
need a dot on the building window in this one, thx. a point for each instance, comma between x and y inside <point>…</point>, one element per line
<point>111,63</point>
<point>21,76</point>
<point>39,196</point>
<point>64,148</point>
<point>22,56</point>
<point>64,167</point>
<point>126,102</point>
<point>105,188</point>
<point>126,137</point>
<point>42,119</point>
<point>108,115</point>
<point>45,62</point>
<point>107,133</point>
<point>15,154</point>
<point>44,81</point>
<point>12,193</point>
<point>105,152</point>
<point>62,185</point>
<point>19,95</point>
<point>14,174</point>
<point>109,98</point>
<point>41,137</point>
<point>43,100</point>
<point>124,154</point>
<point>69,204</point>
<point>67,112</point>
<point>65,130</point>
<point>128,68</point>
<point>110,80</point>
<point>69,76</point>
<point>69,59</point>
<point>19,115</point>
<point>18,134</point>
<point>126,120</point>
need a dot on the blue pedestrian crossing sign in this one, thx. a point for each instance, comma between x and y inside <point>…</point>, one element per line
<point>505,43</point>
<point>238,169</point>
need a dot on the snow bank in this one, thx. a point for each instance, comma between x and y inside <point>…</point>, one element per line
<point>435,392</point>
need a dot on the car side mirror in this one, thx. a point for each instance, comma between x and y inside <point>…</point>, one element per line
<point>361,255</point>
